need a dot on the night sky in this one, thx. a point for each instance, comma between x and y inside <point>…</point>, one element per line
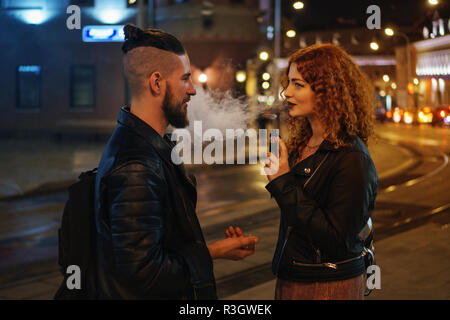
<point>319,14</point>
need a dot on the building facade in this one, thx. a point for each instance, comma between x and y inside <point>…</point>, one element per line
<point>58,79</point>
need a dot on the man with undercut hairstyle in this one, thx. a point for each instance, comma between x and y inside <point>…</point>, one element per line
<point>149,241</point>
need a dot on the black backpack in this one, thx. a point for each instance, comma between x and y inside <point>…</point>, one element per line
<point>76,240</point>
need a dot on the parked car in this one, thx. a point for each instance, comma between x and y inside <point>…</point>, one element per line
<point>441,116</point>
<point>425,115</point>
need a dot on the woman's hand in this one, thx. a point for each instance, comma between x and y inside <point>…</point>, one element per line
<point>277,166</point>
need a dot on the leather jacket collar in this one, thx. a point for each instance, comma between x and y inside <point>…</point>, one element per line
<point>145,131</point>
<point>162,145</point>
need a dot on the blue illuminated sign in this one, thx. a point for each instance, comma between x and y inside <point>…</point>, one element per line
<point>31,69</point>
<point>103,33</point>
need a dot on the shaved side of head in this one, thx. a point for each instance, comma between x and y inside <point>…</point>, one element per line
<point>141,62</point>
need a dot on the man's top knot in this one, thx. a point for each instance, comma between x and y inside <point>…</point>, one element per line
<point>132,32</point>
<point>136,37</point>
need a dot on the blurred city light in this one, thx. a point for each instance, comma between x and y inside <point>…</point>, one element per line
<point>110,16</point>
<point>265,85</point>
<point>394,85</point>
<point>389,32</point>
<point>433,2</point>
<point>298,5</point>
<point>374,46</point>
<point>382,93</point>
<point>385,78</point>
<point>266,76</point>
<point>264,55</point>
<point>109,33</point>
<point>416,81</point>
<point>202,78</point>
<point>33,16</point>
<point>408,117</point>
<point>291,33</point>
<point>241,76</point>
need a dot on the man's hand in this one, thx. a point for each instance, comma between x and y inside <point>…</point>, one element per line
<point>277,165</point>
<point>235,247</point>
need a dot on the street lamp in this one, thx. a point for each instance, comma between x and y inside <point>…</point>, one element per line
<point>386,78</point>
<point>241,76</point>
<point>266,76</point>
<point>264,55</point>
<point>390,32</point>
<point>290,33</point>
<point>298,5</point>
<point>374,46</point>
<point>202,78</point>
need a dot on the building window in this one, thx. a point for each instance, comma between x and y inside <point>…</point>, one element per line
<point>28,87</point>
<point>82,87</point>
<point>83,3</point>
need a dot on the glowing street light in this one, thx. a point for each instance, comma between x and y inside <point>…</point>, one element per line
<point>374,46</point>
<point>386,78</point>
<point>433,2</point>
<point>241,76</point>
<point>265,85</point>
<point>298,5</point>
<point>263,55</point>
<point>202,78</point>
<point>291,33</point>
<point>389,32</point>
<point>266,76</point>
<point>416,81</point>
<point>394,85</point>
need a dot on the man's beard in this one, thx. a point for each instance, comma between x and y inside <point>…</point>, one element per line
<point>174,111</point>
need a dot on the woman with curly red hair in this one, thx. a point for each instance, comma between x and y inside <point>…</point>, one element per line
<point>326,183</point>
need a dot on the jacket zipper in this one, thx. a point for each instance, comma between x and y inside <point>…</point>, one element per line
<point>289,227</point>
<point>326,264</point>
<point>282,248</point>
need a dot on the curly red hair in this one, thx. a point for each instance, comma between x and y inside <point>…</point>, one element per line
<point>344,96</point>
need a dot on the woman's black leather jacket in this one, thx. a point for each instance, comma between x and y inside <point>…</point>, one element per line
<point>323,212</point>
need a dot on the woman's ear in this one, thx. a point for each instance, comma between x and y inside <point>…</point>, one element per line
<point>155,83</point>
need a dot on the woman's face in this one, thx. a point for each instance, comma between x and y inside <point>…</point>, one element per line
<point>299,95</point>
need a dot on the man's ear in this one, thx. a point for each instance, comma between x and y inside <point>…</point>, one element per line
<point>156,83</point>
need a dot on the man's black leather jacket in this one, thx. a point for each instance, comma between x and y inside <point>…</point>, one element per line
<point>149,244</point>
<point>321,221</point>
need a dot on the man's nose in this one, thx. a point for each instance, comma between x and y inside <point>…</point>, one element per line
<point>191,90</point>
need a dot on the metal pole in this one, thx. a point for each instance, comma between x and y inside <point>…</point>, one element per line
<point>152,13</point>
<point>142,15</point>
<point>277,20</point>
<point>276,56</point>
<point>408,61</point>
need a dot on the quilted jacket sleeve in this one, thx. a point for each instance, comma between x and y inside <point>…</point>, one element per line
<point>136,193</point>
